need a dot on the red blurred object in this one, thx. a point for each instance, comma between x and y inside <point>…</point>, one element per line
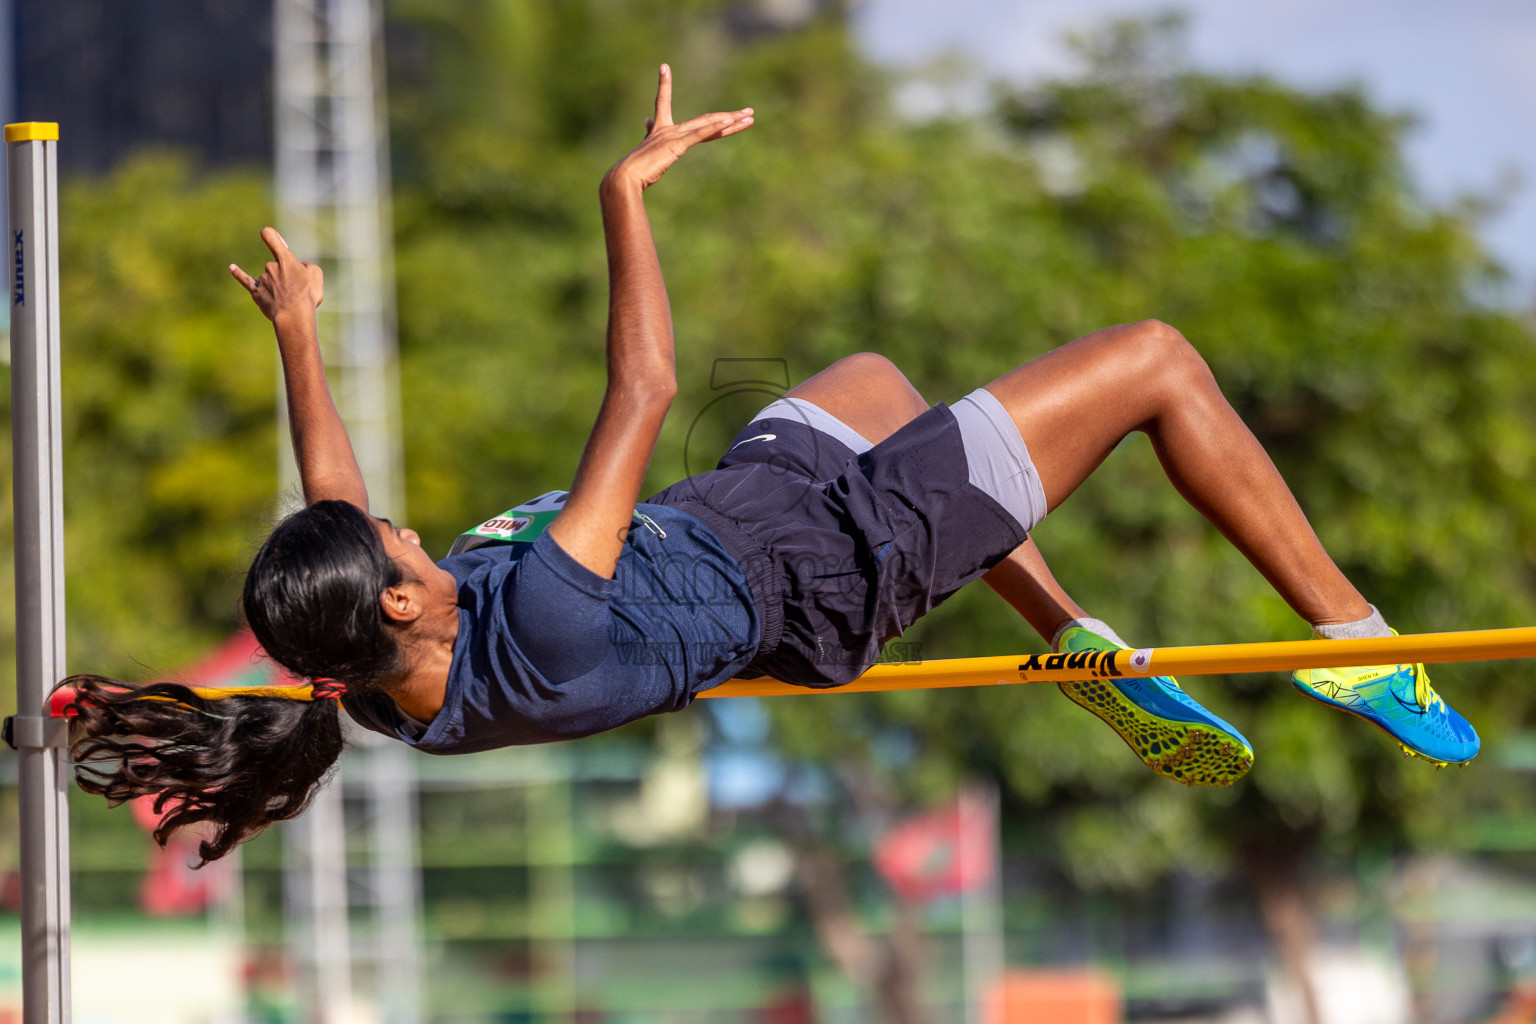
<point>229,665</point>
<point>790,1006</point>
<point>1053,997</point>
<point>171,887</point>
<point>942,853</point>
<point>10,892</point>
<point>143,808</point>
<point>1519,1007</point>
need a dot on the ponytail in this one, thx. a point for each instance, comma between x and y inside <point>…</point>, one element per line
<point>239,760</point>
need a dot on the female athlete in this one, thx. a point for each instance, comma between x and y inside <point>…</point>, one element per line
<point>842,513</point>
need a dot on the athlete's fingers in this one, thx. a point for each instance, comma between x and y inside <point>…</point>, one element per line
<point>274,241</point>
<point>705,124</point>
<point>740,125</point>
<point>246,280</point>
<point>713,126</point>
<point>740,122</point>
<point>650,123</point>
<point>664,96</point>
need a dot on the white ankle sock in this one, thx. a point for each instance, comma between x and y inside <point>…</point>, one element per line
<point>1372,625</point>
<point>1098,626</point>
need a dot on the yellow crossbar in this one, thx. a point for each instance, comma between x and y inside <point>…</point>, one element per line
<point>1283,656</point>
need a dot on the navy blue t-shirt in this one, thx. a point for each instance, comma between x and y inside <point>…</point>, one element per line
<point>549,650</point>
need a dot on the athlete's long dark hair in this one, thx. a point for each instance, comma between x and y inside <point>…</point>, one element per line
<point>238,764</point>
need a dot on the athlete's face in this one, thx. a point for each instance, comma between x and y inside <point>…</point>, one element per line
<point>434,587</point>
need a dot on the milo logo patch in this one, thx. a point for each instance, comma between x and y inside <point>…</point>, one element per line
<point>519,525</point>
<point>504,526</point>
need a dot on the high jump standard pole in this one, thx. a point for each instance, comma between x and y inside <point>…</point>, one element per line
<point>39,518</point>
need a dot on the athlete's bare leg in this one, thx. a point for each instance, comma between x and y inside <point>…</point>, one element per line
<point>1074,404</point>
<point>1172,734</point>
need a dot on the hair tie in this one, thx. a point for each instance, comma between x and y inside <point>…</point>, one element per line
<point>327,689</point>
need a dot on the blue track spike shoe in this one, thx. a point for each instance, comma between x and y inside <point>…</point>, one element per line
<point>1176,737</point>
<point>1399,701</point>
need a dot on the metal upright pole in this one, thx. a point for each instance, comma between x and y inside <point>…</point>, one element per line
<point>39,518</point>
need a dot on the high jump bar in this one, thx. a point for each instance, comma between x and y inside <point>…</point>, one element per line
<point>1215,659</point>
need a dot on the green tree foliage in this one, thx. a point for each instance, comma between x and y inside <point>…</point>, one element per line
<point>170,453</point>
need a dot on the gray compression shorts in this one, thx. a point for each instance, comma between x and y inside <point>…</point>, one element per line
<point>997,460</point>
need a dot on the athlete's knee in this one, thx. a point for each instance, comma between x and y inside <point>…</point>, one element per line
<point>1167,354</point>
<point>872,365</point>
<point>877,372</point>
<point>1160,340</point>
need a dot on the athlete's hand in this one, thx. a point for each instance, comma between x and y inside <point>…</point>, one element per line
<point>287,284</point>
<point>666,142</point>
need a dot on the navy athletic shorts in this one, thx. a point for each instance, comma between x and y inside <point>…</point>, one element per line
<point>845,544</point>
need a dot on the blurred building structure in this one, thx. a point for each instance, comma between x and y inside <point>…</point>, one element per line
<point>195,74</point>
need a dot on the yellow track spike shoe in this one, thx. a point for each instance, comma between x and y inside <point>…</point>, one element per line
<point>1399,701</point>
<point>1170,732</point>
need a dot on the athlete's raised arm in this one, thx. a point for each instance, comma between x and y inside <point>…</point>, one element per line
<point>287,293</point>
<point>642,375</point>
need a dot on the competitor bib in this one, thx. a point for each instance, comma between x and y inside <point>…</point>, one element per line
<point>523,523</point>
<point>519,525</point>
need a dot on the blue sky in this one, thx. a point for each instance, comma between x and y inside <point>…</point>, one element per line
<point>1466,68</point>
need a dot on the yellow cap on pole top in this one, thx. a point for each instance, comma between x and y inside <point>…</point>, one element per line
<point>32,131</point>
